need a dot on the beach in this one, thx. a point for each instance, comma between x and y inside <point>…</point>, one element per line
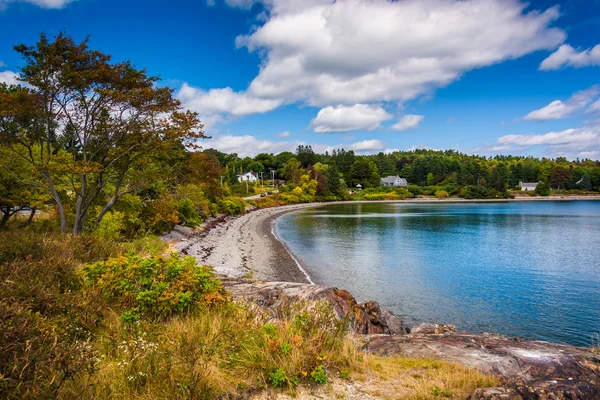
<point>246,246</point>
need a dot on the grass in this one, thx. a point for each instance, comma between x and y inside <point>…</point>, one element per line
<point>420,379</point>
<point>66,323</point>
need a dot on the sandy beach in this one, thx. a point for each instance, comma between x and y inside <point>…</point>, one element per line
<point>245,246</point>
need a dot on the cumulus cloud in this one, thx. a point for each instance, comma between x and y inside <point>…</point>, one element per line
<point>326,53</point>
<point>348,52</point>
<point>39,3</point>
<point>581,142</point>
<point>8,77</point>
<point>285,134</point>
<point>216,101</point>
<point>559,109</point>
<point>408,121</point>
<point>249,146</point>
<point>344,119</point>
<point>567,56</point>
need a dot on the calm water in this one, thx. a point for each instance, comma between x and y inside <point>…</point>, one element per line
<point>526,269</point>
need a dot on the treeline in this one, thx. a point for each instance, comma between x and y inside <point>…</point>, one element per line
<point>427,171</point>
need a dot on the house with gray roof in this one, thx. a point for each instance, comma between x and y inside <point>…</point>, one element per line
<point>394,181</point>
<point>525,186</point>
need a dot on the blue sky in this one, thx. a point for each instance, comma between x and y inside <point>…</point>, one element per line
<point>480,76</point>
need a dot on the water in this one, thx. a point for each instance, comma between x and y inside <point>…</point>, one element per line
<point>530,269</point>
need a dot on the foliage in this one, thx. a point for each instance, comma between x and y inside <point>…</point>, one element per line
<point>318,375</point>
<point>542,189</point>
<point>231,205</point>
<point>86,131</point>
<point>155,286</point>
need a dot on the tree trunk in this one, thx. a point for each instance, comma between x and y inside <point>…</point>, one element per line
<point>5,217</point>
<point>31,215</point>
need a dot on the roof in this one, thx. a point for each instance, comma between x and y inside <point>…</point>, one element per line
<point>359,185</point>
<point>392,179</point>
<point>529,183</point>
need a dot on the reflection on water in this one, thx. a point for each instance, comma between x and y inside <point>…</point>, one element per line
<point>528,269</point>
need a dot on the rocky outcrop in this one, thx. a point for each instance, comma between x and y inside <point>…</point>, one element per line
<point>364,318</point>
<point>531,369</point>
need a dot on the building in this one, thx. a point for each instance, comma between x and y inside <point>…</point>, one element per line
<point>394,181</point>
<point>359,187</point>
<point>248,176</point>
<point>528,185</point>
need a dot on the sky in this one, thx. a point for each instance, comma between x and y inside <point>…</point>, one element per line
<point>479,76</point>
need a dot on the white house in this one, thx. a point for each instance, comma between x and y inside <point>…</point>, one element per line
<point>248,176</point>
<point>394,181</point>
<point>528,185</point>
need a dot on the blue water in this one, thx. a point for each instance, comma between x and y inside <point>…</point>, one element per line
<point>530,269</point>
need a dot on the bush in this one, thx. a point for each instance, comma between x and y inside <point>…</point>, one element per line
<point>111,226</point>
<point>231,205</point>
<point>474,192</point>
<point>45,320</point>
<point>188,214</point>
<point>415,189</point>
<point>156,287</point>
<point>542,189</point>
<point>319,376</point>
<point>441,194</point>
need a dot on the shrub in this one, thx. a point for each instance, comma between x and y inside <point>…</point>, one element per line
<point>111,226</point>
<point>474,192</point>
<point>231,205</point>
<point>415,189</point>
<point>318,375</point>
<point>188,213</point>
<point>157,287</point>
<point>278,378</point>
<point>440,194</point>
<point>542,189</point>
<point>45,321</point>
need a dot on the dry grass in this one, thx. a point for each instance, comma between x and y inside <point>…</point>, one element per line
<point>419,379</point>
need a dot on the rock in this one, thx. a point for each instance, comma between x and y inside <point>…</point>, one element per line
<point>428,328</point>
<point>365,318</point>
<point>530,369</point>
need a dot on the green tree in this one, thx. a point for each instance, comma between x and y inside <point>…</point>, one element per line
<point>542,189</point>
<point>585,182</point>
<point>365,173</point>
<point>96,121</point>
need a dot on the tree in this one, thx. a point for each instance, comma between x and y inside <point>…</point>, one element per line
<point>306,155</point>
<point>560,176</point>
<point>96,121</point>
<point>542,189</point>
<point>585,182</point>
<point>364,172</point>
<point>292,171</point>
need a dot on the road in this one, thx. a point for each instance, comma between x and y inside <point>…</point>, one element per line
<point>257,196</point>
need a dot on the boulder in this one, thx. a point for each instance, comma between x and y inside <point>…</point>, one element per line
<point>428,328</point>
<point>364,318</point>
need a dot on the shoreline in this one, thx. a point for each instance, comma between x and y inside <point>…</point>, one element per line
<point>247,245</point>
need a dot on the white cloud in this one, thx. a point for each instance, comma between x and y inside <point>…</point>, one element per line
<point>348,52</point>
<point>559,109</point>
<point>39,3</point>
<point>344,119</point>
<point>8,77</point>
<point>250,146</point>
<point>567,56</point>
<point>580,142</point>
<point>221,101</point>
<point>408,121</point>
<point>325,52</point>
<point>285,134</point>
<point>594,107</point>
